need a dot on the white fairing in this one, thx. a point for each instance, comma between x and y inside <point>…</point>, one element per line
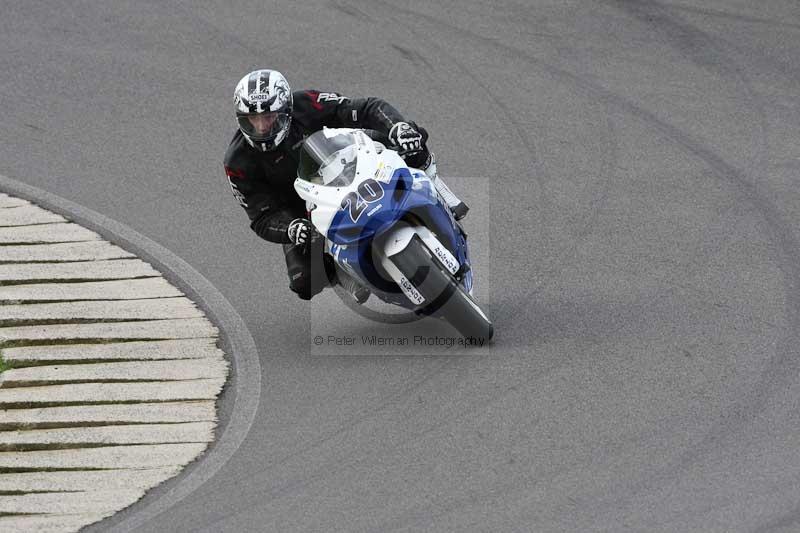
<point>379,165</point>
<point>325,202</point>
<point>396,240</point>
<point>328,200</point>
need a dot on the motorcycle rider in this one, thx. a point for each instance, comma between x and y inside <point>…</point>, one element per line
<point>262,158</point>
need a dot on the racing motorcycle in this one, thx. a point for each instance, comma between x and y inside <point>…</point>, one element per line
<point>386,226</point>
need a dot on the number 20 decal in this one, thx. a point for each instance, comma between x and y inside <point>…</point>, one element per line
<point>356,202</point>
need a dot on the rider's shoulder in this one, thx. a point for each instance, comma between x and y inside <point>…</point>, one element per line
<point>238,149</point>
<point>314,98</point>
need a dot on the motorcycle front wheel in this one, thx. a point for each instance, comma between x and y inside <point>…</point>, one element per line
<point>444,296</point>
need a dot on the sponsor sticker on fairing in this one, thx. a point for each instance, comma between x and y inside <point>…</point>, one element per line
<point>421,180</point>
<point>384,173</point>
<point>446,258</point>
<point>307,187</point>
<point>410,291</point>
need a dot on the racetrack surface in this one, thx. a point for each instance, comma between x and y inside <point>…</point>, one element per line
<point>632,169</point>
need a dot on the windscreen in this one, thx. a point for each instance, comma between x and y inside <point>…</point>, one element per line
<point>329,158</point>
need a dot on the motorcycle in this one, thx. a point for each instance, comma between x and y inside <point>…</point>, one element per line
<point>386,226</point>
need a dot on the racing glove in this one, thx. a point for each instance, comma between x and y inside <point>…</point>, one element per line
<point>299,231</point>
<point>411,139</point>
<point>407,137</point>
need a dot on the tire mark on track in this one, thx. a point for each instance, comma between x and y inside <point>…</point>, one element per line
<point>779,230</point>
<point>702,49</point>
<point>285,489</point>
<point>600,186</point>
<point>781,366</point>
<point>352,12</point>
<point>611,100</point>
<point>745,413</point>
<point>531,290</point>
<point>718,13</point>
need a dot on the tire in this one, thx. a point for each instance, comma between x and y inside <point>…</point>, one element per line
<point>444,296</point>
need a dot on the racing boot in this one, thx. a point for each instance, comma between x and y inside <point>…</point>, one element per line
<point>457,207</point>
<point>359,292</point>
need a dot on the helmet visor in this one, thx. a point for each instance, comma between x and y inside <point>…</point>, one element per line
<point>263,127</point>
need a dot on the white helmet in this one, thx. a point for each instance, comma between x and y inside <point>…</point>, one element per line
<point>263,102</point>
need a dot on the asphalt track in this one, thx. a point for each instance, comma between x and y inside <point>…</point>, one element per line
<point>632,167</point>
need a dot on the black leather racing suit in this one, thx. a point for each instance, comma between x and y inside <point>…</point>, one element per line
<point>262,182</point>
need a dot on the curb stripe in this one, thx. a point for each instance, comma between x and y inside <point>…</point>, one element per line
<point>100,382</point>
<point>241,401</point>
<point>99,290</point>
<point>169,349</point>
<point>74,251</point>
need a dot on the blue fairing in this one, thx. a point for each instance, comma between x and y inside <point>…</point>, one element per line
<point>351,239</point>
<point>379,214</point>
